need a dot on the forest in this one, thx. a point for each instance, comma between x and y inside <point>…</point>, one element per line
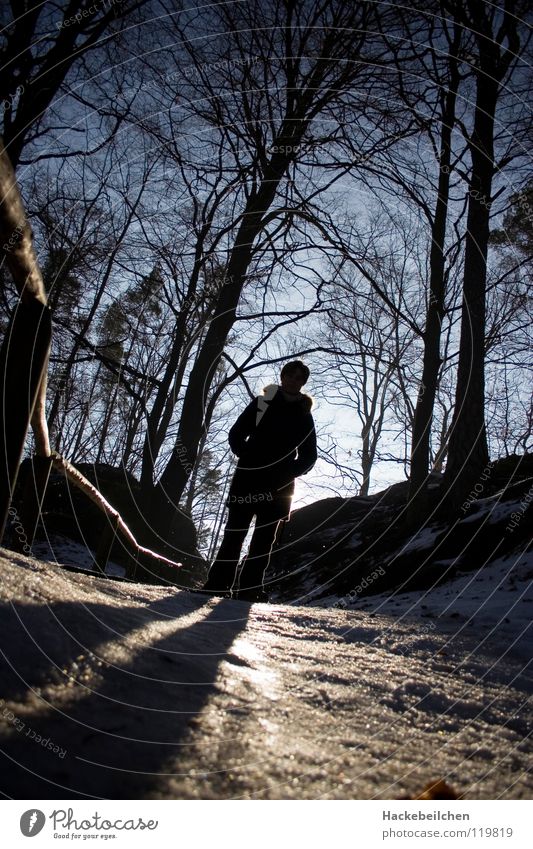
<point>192,198</point>
<point>215,190</point>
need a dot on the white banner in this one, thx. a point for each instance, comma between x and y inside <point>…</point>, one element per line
<point>267,824</point>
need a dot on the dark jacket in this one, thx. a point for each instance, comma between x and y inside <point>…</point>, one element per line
<point>274,452</point>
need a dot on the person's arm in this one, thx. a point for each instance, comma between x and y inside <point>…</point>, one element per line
<point>307,454</point>
<point>242,428</point>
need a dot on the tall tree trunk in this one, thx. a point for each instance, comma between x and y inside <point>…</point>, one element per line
<point>467,451</point>
<point>162,500</point>
<point>170,384</point>
<point>423,417</point>
<point>366,460</point>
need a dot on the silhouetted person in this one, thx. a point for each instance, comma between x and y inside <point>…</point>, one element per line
<point>275,441</point>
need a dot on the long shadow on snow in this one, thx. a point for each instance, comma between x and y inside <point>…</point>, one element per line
<point>119,735</point>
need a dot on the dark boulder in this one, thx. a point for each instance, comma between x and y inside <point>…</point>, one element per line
<point>69,512</point>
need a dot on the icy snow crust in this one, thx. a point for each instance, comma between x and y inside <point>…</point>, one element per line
<point>153,692</point>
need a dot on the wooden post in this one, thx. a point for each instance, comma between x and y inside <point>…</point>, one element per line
<point>23,362</point>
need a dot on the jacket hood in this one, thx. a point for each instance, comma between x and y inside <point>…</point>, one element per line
<point>304,399</point>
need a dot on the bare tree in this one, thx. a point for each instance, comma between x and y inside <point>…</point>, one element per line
<point>302,73</point>
<point>498,37</point>
<point>373,367</point>
<point>41,44</point>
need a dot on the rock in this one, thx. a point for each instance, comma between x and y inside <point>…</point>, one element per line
<point>68,511</point>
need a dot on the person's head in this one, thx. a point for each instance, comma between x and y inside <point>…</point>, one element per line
<point>293,376</point>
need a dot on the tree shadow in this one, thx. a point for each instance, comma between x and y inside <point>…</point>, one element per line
<point>115,733</point>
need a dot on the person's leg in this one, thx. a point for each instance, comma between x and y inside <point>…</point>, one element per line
<point>222,572</point>
<point>257,560</point>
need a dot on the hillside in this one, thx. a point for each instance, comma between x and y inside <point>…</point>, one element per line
<point>341,550</point>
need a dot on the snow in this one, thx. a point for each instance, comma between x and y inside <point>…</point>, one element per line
<point>424,539</point>
<point>495,511</point>
<point>496,600</point>
<point>60,549</point>
<point>153,692</point>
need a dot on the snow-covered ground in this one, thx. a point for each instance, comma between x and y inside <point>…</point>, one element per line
<point>60,549</point>
<point>493,603</point>
<point>120,690</point>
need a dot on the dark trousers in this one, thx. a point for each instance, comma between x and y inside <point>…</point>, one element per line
<point>223,572</point>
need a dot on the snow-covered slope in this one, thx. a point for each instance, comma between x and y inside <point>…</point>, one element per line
<point>376,551</point>
<point>119,690</point>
